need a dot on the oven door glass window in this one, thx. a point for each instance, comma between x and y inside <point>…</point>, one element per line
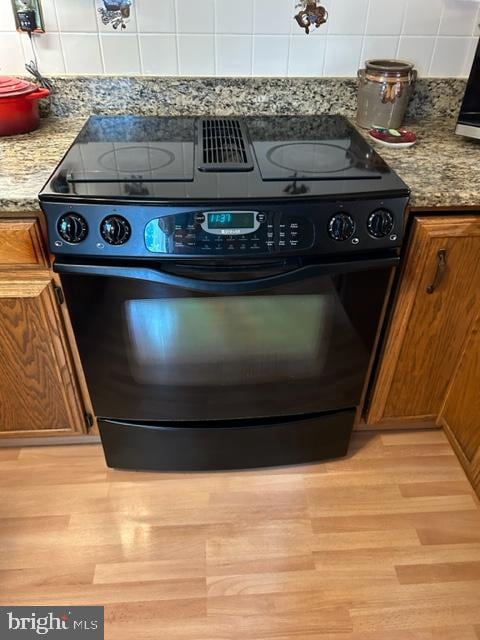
<point>162,353</point>
<point>227,341</point>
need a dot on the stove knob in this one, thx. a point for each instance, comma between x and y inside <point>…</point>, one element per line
<point>72,228</point>
<point>341,227</point>
<point>115,230</point>
<point>380,223</point>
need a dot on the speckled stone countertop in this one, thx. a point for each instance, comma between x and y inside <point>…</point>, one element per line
<point>27,161</point>
<point>441,169</point>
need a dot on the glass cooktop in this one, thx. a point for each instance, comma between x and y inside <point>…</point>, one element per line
<point>163,159</point>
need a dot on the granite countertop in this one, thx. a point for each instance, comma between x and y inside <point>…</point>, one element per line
<point>26,161</point>
<point>441,169</point>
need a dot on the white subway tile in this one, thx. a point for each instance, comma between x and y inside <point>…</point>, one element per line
<point>159,54</point>
<point>307,55</point>
<point>196,56</point>
<point>458,18</point>
<point>155,17</point>
<point>342,57</point>
<point>49,15</point>
<point>476,24</point>
<point>449,56</point>
<point>348,17</point>
<point>195,16</point>
<point>221,37</point>
<point>274,17</point>
<point>233,55</point>
<point>385,17</point>
<point>7,19</point>
<point>234,17</point>
<point>379,47</point>
<point>49,52</point>
<point>422,18</point>
<point>470,57</point>
<point>82,53</point>
<point>12,59</point>
<point>419,50</point>
<point>120,53</point>
<point>270,55</point>
<point>77,15</point>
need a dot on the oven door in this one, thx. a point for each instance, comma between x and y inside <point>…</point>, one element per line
<point>195,342</point>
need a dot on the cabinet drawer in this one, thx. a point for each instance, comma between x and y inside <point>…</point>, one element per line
<point>21,244</point>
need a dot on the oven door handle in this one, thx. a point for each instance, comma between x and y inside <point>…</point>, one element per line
<point>216,286</point>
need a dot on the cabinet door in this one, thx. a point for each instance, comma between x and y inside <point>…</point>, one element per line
<point>460,415</point>
<point>38,390</point>
<point>21,243</point>
<point>434,311</point>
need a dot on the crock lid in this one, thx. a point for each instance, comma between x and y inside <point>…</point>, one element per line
<point>11,87</point>
<point>384,65</point>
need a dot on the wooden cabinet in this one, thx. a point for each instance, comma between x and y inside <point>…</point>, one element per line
<point>460,414</point>
<point>437,302</point>
<point>39,390</point>
<point>21,244</point>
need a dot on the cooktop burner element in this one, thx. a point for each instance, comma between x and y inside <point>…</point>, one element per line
<point>310,158</point>
<point>113,162</point>
<point>198,159</point>
<point>136,159</point>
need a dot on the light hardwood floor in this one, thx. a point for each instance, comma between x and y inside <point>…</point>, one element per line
<point>381,545</point>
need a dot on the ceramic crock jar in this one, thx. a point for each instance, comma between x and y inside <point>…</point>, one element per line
<point>384,92</point>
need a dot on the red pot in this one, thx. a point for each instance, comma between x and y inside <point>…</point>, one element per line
<point>19,105</point>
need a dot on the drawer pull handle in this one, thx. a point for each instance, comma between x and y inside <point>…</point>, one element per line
<point>441,268</point>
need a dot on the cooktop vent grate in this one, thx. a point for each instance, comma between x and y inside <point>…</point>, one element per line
<point>224,145</point>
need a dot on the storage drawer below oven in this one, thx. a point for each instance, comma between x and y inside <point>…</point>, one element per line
<point>230,445</point>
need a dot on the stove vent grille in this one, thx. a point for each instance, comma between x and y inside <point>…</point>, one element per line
<point>224,145</point>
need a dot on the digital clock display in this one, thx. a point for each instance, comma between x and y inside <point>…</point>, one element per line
<point>231,220</point>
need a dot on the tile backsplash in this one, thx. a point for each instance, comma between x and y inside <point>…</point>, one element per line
<point>245,38</point>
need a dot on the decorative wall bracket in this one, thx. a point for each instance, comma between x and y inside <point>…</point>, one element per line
<point>115,12</point>
<point>311,15</point>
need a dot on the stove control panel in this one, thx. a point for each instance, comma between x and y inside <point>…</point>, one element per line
<point>139,230</point>
<point>226,232</point>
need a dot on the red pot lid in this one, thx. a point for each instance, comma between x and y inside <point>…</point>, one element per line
<point>11,87</point>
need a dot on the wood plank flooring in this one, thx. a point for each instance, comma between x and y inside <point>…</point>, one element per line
<point>381,545</point>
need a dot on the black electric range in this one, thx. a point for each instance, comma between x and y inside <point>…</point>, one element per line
<point>225,278</point>
<point>125,165</point>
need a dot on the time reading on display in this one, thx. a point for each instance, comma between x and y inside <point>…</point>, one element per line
<point>231,220</point>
